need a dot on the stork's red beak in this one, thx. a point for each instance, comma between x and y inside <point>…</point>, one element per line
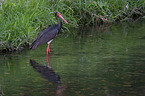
<point>62,18</point>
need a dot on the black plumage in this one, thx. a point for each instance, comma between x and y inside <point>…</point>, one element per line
<point>49,33</point>
<point>45,36</point>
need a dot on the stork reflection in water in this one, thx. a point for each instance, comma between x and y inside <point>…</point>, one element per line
<point>48,73</point>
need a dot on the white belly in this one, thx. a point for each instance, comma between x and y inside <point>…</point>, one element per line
<point>49,41</point>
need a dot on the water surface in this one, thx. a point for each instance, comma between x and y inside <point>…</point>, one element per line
<point>94,62</point>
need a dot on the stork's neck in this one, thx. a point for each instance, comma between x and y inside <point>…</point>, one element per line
<point>59,22</point>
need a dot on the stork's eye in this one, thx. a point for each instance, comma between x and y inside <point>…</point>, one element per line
<point>58,13</point>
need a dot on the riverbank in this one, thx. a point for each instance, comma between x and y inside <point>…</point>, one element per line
<point>22,20</point>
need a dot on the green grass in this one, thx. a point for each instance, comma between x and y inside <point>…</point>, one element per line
<point>22,20</point>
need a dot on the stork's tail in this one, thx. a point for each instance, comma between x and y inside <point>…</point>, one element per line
<point>33,45</point>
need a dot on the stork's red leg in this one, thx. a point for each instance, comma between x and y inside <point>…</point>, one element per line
<point>48,56</point>
<point>48,50</point>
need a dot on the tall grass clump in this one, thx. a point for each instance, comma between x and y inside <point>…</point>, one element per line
<point>106,11</point>
<point>22,20</point>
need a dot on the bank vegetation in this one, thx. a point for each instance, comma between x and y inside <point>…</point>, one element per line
<point>22,20</point>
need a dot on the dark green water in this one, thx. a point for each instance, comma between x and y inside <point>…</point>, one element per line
<point>96,62</point>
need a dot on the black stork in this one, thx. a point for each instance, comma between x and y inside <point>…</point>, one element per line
<point>48,34</point>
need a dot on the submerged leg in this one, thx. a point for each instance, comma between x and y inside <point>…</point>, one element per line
<point>48,50</point>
